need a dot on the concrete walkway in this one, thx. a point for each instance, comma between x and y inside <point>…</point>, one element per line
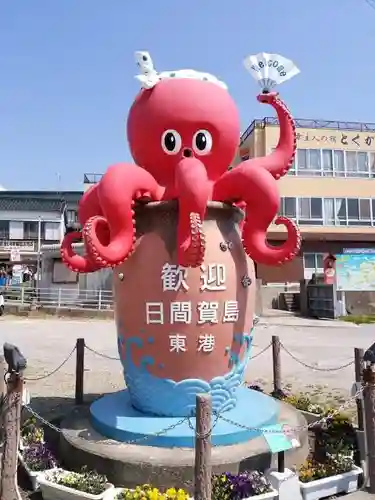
<point>360,495</point>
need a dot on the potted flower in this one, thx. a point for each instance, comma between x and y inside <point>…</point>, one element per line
<point>31,433</point>
<point>59,484</point>
<point>242,486</point>
<point>338,474</point>
<point>302,402</point>
<point>335,435</point>
<point>148,492</point>
<point>37,458</point>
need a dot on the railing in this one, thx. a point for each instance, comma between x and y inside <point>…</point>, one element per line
<point>91,178</point>
<point>283,287</point>
<point>306,123</point>
<point>8,245</point>
<point>62,298</point>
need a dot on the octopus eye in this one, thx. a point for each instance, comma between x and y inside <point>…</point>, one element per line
<point>202,142</point>
<point>171,142</point>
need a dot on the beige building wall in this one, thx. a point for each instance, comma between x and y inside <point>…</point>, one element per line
<point>264,139</point>
<point>321,186</point>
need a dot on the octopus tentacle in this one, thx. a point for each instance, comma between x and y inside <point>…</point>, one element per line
<point>76,263</point>
<point>258,189</point>
<point>117,189</point>
<point>281,159</point>
<point>192,255</point>
<point>256,246</point>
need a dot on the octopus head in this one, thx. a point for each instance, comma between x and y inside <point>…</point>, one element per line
<point>179,119</point>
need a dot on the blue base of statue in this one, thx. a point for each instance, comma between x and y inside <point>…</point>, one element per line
<point>114,416</point>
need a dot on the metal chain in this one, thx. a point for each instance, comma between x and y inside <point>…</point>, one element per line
<point>42,377</point>
<point>299,428</point>
<point>101,354</point>
<point>209,432</point>
<point>133,441</point>
<point>219,416</point>
<point>261,352</point>
<point>315,367</point>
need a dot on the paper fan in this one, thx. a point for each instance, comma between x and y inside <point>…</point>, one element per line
<point>270,69</point>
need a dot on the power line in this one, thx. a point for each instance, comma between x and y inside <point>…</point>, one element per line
<point>371,3</point>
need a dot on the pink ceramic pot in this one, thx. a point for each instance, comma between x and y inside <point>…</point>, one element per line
<point>184,331</point>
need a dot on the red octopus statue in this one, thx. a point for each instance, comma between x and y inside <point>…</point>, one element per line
<point>183,135</point>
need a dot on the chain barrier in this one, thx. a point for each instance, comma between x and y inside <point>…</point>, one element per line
<point>311,367</point>
<point>42,377</point>
<point>261,352</point>
<point>112,358</point>
<point>300,428</point>
<point>133,441</point>
<point>219,416</point>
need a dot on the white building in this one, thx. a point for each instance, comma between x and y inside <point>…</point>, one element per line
<point>30,219</point>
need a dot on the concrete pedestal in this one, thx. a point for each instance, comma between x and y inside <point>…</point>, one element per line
<point>114,416</point>
<point>132,464</point>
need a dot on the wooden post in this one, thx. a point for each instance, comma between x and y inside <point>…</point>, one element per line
<point>2,389</point>
<point>358,367</point>
<point>276,361</point>
<point>361,439</point>
<point>369,406</point>
<point>12,420</point>
<point>80,370</point>
<point>202,488</point>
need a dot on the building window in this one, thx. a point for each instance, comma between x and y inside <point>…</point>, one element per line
<point>71,216</point>
<point>313,264</point>
<point>30,230</point>
<point>310,211</point>
<point>329,211</point>
<point>288,207</point>
<point>333,163</point>
<point>4,229</point>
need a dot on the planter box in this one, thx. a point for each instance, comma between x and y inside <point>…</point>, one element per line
<point>265,496</point>
<point>329,486</point>
<point>311,418</point>
<point>33,476</point>
<point>53,491</point>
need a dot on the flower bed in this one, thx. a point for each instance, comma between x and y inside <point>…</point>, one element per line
<point>338,474</point>
<point>224,487</point>
<point>59,484</point>
<point>35,454</point>
<point>251,484</point>
<point>37,458</point>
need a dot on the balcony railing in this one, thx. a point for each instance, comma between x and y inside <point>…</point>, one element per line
<point>306,123</point>
<point>22,245</point>
<point>91,178</point>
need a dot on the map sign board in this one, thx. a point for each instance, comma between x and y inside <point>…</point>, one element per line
<point>355,270</point>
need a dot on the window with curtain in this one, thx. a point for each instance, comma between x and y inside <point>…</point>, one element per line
<point>327,159</point>
<point>363,163</point>
<point>315,164</point>
<point>351,163</point>
<point>339,163</point>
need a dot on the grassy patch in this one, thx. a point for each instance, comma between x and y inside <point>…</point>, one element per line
<point>359,319</point>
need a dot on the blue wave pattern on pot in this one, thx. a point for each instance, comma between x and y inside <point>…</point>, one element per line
<point>166,397</point>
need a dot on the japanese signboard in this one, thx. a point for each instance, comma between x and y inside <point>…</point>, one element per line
<point>327,138</point>
<point>174,279</point>
<point>355,271</point>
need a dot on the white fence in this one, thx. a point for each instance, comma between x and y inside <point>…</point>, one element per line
<point>72,298</point>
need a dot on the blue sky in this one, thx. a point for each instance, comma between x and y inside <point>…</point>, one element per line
<point>67,70</point>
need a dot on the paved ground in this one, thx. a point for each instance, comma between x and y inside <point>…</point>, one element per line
<point>322,344</point>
